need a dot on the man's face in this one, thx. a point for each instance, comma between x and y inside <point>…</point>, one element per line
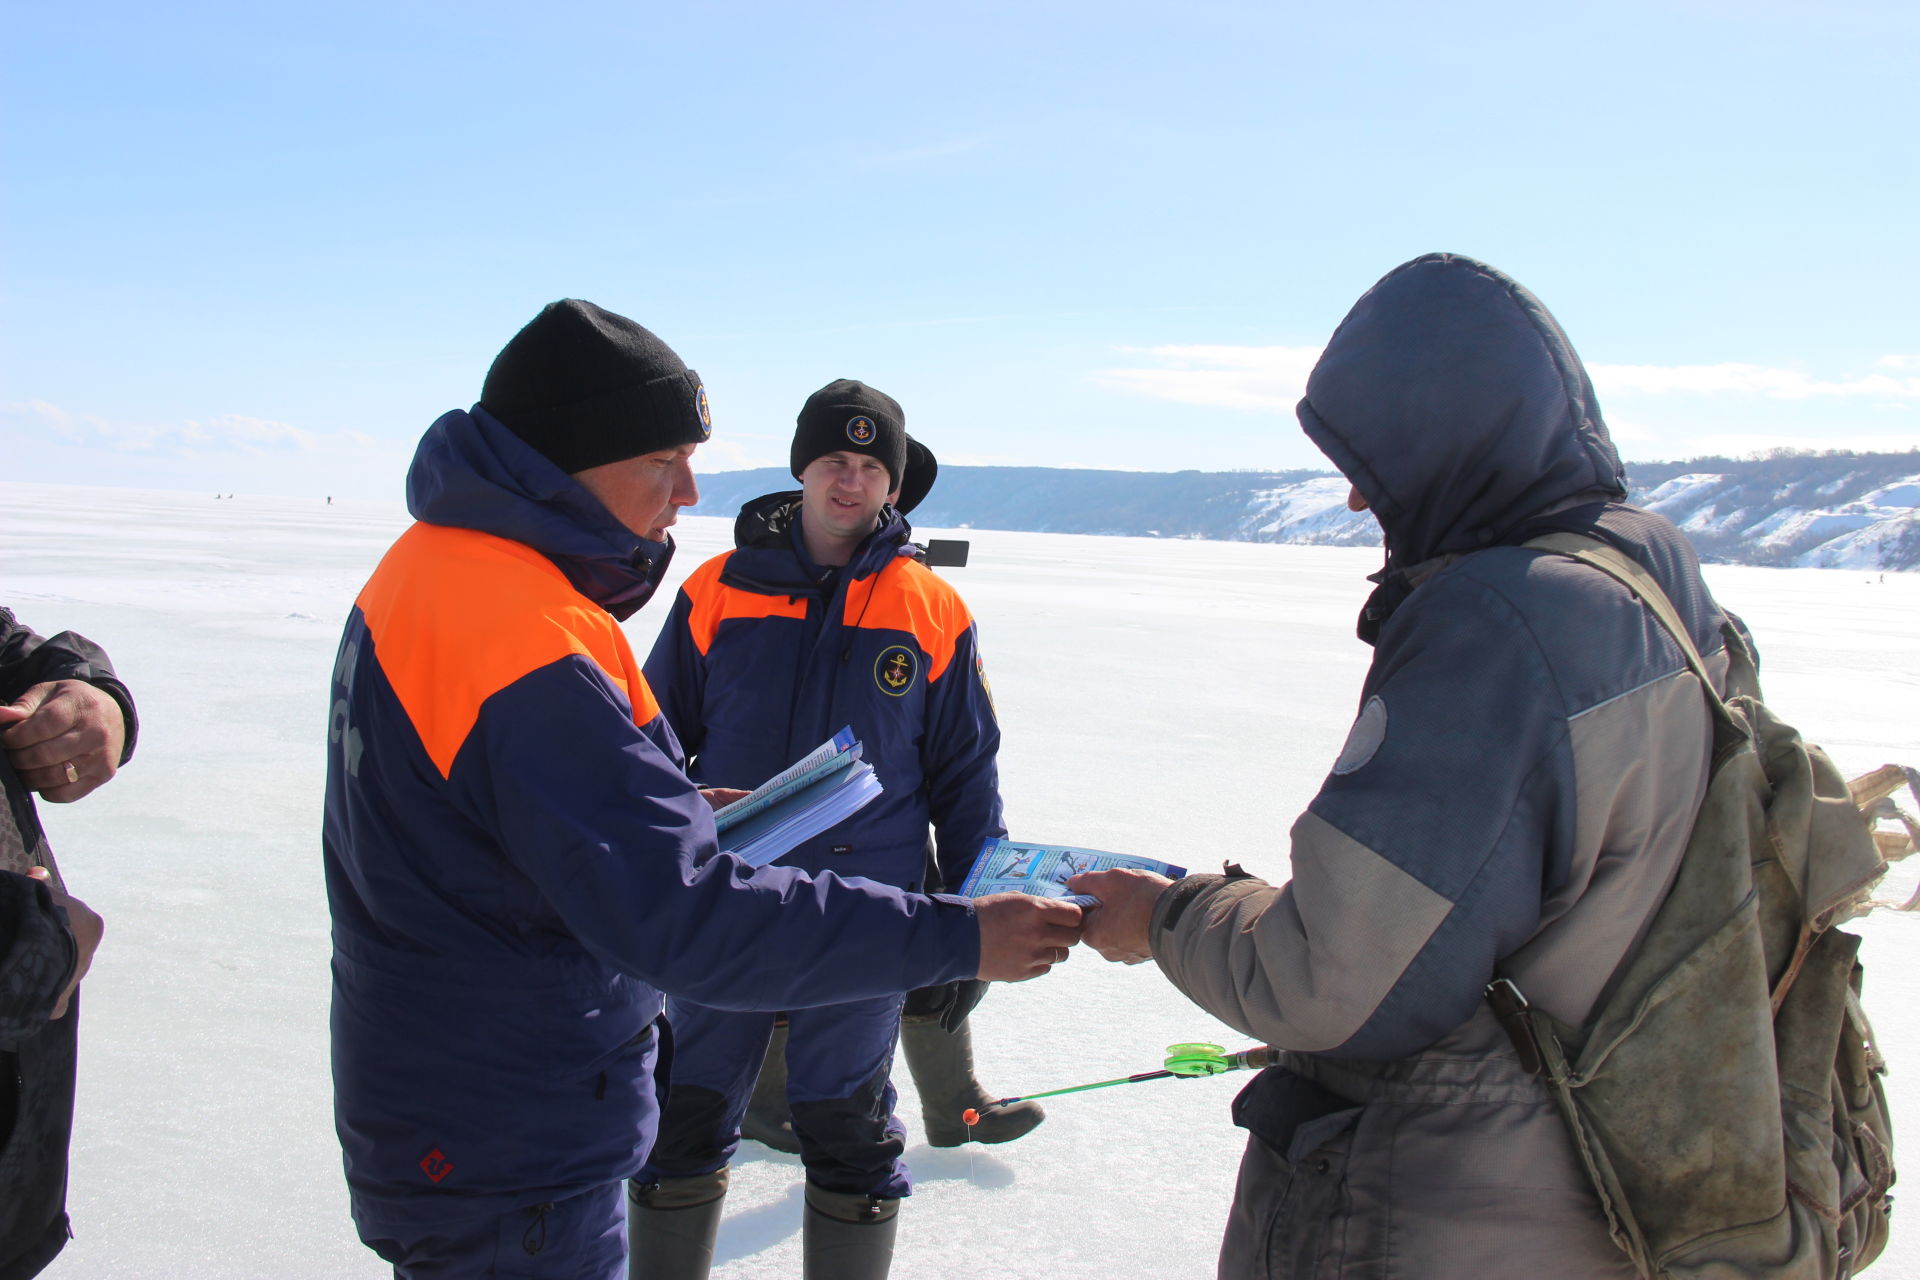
<point>842,493</point>
<point>645,493</point>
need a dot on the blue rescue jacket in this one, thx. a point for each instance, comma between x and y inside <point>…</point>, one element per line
<point>766,655</point>
<point>518,868</point>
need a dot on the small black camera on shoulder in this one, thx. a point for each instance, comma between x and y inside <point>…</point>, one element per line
<point>942,553</point>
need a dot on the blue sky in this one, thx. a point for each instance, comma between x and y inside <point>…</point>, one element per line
<point>260,247</point>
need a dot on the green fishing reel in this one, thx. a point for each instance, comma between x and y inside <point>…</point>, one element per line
<point>1197,1059</point>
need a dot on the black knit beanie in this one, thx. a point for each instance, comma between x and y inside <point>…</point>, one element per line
<point>586,387</point>
<point>853,416</point>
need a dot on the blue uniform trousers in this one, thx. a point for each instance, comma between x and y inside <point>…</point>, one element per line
<point>839,1058</point>
<point>583,1237</point>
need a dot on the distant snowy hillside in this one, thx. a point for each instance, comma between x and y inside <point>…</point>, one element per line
<point>1831,511</point>
<point>1826,511</point>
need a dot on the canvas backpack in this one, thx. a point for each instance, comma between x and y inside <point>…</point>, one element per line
<point>1725,1096</point>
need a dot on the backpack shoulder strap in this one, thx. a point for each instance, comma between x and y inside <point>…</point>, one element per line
<point>1625,570</point>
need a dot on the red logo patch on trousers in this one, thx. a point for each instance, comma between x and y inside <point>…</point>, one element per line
<point>435,1165</point>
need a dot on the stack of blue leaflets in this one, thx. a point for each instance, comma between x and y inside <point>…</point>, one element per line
<point>825,787</point>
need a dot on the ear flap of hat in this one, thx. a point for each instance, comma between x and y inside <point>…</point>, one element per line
<point>921,470</point>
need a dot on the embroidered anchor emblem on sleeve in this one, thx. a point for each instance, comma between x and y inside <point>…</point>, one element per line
<point>894,670</point>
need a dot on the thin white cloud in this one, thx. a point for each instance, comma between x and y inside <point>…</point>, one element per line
<point>1742,444</point>
<point>930,151</point>
<point>227,433</point>
<point>1627,431</point>
<point>233,451</point>
<point>1749,379</point>
<point>1226,377</point>
<point>740,451</point>
<point>237,431</point>
<point>1274,378</point>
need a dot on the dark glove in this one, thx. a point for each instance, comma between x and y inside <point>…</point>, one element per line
<point>949,1003</point>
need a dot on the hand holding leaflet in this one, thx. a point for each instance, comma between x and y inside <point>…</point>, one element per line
<point>1122,929</point>
<point>825,787</point>
<point>1004,866</point>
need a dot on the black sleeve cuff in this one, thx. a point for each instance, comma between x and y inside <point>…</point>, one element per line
<point>118,692</point>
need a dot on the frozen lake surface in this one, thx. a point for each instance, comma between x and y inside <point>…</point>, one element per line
<point>1179,699</point>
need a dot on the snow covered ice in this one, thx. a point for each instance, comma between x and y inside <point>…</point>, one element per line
<point>1179,699</point>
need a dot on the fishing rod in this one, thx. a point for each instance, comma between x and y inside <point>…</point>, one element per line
<point>1183,1062</point>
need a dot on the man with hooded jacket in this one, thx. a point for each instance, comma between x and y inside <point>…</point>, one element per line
<point>1513,798</point>
<point>821,618</point>
<point>516,864</point>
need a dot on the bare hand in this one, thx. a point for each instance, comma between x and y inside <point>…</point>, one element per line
<point>1118,927</point>
<point>87,928</point>
<point>1022,936</point>
<point>721,797</point>
<point>64,738</point>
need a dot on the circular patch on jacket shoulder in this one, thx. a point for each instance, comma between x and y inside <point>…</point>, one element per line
<point>700,405</point>
<point>1368,732</point>
<point>860,429</point>
<point>895,669</point>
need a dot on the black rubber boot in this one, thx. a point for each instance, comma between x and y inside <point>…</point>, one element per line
<point>671,1225</point>
<point>846,1236</point>
<point>942,1065</point>
<point>768,1121</point>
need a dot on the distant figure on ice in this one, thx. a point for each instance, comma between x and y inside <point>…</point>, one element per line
<point>516,863</point>
<point>1515,794</point>
<point>820,618</point>
<point>67,724</point>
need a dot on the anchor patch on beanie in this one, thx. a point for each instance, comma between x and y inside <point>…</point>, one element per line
<point>700,406</point>
<point>860,429</point>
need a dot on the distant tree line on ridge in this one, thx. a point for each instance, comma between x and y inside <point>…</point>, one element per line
<point>1239,505</point>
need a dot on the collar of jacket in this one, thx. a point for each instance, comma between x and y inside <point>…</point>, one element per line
<point>766,560</point>
<point>1580,513</point>
<point>471,472</point>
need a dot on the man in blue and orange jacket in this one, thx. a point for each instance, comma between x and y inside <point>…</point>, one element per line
<point>516,863</point>
<point>821,618</point>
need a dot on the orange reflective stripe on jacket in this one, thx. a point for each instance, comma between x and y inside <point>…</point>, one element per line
<point>516,613</point>
<point>714,603</point>
<point>915,602</point>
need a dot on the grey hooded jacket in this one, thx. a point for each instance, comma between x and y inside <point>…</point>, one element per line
<point>1514,796</point>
